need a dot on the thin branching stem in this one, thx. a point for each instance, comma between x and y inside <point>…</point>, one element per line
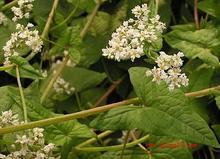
<point>21,94</point>
<point>113,148</point>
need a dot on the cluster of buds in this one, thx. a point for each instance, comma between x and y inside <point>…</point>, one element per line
<point>23,9</point>
<point>168,70</point>
<point>128,40</point>
<point>23,37</point>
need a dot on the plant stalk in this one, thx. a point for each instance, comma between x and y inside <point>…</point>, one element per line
<point>113,148</point>
<point>63,118</point>
<point>49,20</point>
<point>21,94</point>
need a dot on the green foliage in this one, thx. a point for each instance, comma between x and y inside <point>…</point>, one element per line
<point>173,119</point>
<point>202,44</point>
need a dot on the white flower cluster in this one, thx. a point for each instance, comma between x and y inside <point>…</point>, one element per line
<point>169,70</point>
<point>24,36</point>
<point>61,86</point>
<point>31,146</point>
<point>23,9</point>
<point>3,19</point>
<point>128,40</point>
<point>8,118</point>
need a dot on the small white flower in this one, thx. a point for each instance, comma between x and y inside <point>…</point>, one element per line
<point>169,70</point>
<point>3,19</point>
<point>48,148</point>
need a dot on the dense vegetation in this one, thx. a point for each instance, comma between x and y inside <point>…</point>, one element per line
<point>109,79</point>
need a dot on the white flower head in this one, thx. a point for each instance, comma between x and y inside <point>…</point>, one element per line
<point>24,36</point>
<point>23,9</point>
<point>128,40</point>
<point>26,148</point>
<point>169,70</point>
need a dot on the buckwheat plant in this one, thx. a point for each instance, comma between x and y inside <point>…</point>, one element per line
<point>128,40</point>
<point>23,9</point>
<point>169,70</point>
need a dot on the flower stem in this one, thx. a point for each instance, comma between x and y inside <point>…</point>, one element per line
<point>196,17</point>
<point>21,94</point>
<point>9,5</point>
<point>63,118</point>
<point>49,20</point>
<point>113,148</point>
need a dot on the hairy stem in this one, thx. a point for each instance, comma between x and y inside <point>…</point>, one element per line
<point>196,16</point>
<point>9,5</point>
<point>113,148</point>
<point>49,20</point>
<point>21,94</point>
<point>63,118</point>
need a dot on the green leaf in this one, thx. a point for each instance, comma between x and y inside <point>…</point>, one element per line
<point>167,113</point>
<point>202,44</point>
<point>101,23</point>
<point>200,78</point>
<point>74,55</point>
<point>25,69</point>
<point>81,78</point>
<point>7,101</point>
<point>210,7</point>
